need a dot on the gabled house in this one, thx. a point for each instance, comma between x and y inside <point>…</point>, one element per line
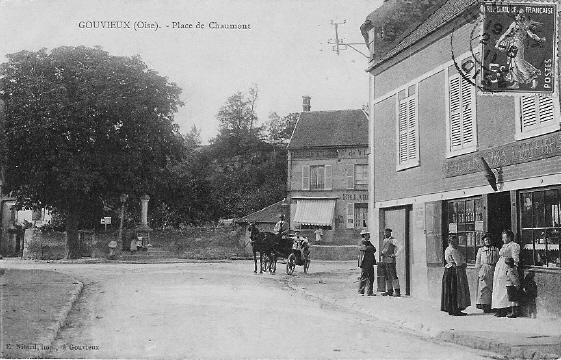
<point>328,174</point>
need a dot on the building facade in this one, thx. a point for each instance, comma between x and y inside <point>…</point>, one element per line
<point>328,174</point>
<point>440,144</point>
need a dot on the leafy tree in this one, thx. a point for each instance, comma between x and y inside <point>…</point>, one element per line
<point>280,129</point>
<point>3,147</point>
<point>83,127</point>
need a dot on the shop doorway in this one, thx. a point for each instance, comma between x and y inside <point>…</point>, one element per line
<point>398,220</point>
<point>499,215</point>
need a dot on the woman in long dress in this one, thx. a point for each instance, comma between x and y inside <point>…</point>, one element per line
<point>485,261</point>
<point>499,299</point>
<point>513,41</point>
<point>455,288</point>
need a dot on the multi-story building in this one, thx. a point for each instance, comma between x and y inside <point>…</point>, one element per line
<point>328,174</point>
<point>440,143</point>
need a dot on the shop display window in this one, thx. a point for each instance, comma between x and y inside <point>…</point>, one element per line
<point>540,222</point>
<point>465,219</point>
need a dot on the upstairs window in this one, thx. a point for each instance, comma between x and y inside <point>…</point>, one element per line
<point>407,129</point>
<point>317,177</point>
<point>361,176</point>
<point>460,115</point>
<point>536,115</point>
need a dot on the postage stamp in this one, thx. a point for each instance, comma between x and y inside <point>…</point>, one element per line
<point>518,46</point>
<point>513,48</point>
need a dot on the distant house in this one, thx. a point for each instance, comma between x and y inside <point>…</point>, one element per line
<point>328,174</point>
<point>265,219</point>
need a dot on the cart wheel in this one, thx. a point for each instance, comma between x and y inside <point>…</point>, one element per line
<point>306,266</point>
<point>290,264</point>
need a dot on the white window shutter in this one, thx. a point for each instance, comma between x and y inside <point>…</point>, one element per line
<point>528,112</point>
<point>328,177</point>
<point>546,109</point>
<point>306,177</point>
<point>468,114</point>
<point>350,176</point>
<point>455,113</point>
<point>403,145</point>
<point>350,215</point>
<point>412,129</point>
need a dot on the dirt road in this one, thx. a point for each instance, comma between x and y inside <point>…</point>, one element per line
<point>219,310</point>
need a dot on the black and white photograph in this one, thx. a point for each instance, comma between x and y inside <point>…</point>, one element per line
<point>280,179</point>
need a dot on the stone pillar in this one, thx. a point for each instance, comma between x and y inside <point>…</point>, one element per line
<point>144,210</point>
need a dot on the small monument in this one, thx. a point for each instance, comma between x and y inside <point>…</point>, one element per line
<point>143,230</point>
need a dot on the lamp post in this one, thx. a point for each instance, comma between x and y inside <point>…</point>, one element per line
<point>123,198</point>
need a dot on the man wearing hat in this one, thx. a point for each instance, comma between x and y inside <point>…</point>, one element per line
<point>366,262</point>
<point>281,227</point>
<point>389,252</point>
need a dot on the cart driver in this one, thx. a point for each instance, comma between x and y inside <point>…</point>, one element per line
<point>281,227</point>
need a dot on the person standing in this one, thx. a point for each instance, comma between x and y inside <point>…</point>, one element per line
<point>512,287</point>
<point>485,261</point>
<point>319,234</point>
<point>499,298</point>
<point>366,262</point>
<point>455,289</point>
<point>389,252</point>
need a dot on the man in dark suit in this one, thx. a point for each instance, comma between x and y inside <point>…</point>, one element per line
<point>366,262</point>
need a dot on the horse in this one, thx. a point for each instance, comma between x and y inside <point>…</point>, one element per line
<point>264,243</point>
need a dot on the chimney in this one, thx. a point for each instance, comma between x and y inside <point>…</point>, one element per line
<point>306,103</point>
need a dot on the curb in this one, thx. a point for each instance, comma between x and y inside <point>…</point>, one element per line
<point>448,336</point>
<point>54,330</point>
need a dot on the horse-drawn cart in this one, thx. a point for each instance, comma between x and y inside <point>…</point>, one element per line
<point>296,252</point>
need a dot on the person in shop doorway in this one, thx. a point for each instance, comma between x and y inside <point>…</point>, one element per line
<point>319,234</point>
<point>499,298</point>
<point>455,289</point>
<point>485,261</point>
<point>390,251</point>
<point>366,262</point>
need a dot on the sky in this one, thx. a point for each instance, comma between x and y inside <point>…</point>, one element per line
<point>285,52</point>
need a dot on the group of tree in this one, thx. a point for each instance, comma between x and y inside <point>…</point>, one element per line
<point>80,127</point>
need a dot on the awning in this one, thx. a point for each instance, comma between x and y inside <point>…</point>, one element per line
<point>314,212</point>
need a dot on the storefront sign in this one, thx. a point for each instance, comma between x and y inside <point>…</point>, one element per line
<point>314,154</point>
<point>518,47</point>
<point>356,196</point>
<point>510,154</point>
<point>346,153</point>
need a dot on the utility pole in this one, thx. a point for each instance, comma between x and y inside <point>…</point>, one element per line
<point>339,44</point>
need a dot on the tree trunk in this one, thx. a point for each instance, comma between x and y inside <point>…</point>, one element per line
<point>72,240</point>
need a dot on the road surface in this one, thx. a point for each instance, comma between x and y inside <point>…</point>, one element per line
<point>220,310</point>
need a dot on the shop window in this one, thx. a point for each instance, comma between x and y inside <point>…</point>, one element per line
<point>407,129</point>
<point>540,222</point>
<point>361,176</point>
<point>465,220</point>
<point>536,115</point>
<point>360,215</point>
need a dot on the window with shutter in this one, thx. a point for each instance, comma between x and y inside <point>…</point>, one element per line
<point>536,115</point>
<point>306,177</point>
<point>407,133</point>
<point>350,216</point>
<point>350,171</point>
<point>462,134</point>
<point>328,177</point>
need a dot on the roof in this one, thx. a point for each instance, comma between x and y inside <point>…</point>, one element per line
<point>447,12</point>
<point>330,128</point>
<point>270,214</point>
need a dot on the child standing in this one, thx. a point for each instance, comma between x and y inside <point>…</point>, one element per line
<point>530,294</point>
<point>512,287</point>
